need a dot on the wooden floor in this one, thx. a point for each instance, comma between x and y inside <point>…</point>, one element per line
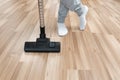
<point>93,54</point>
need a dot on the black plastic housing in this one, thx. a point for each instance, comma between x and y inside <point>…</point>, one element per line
<point>42,45</point>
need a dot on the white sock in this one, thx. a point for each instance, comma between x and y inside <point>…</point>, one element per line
<point>62,30</point>
<point>83,17</point>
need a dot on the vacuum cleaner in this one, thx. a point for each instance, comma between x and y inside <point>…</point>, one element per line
<point>42,43</point>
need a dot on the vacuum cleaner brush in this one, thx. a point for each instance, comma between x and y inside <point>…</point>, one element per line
<point>42,44</point>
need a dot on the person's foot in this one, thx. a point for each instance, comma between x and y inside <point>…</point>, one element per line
<point>62,30</point>
<point>83,17</point>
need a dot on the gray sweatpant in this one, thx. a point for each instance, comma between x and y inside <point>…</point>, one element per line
<point>65,6</point>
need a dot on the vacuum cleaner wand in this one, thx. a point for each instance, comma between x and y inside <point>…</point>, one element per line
<point>42,43</point>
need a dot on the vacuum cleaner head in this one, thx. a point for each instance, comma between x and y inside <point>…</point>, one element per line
<point>42,45</point>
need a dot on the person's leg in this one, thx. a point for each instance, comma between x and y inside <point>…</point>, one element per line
<point>81,11</point>
<point>62,30</point>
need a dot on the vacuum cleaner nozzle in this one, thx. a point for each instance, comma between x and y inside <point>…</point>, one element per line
<point>42,45</point>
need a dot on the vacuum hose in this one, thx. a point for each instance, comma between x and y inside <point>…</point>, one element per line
<point>41,17</point>
<point>41,13</point>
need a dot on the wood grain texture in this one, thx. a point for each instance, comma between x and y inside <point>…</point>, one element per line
<point>93,54</point>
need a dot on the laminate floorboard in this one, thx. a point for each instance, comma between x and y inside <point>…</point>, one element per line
<point>92,54</point>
